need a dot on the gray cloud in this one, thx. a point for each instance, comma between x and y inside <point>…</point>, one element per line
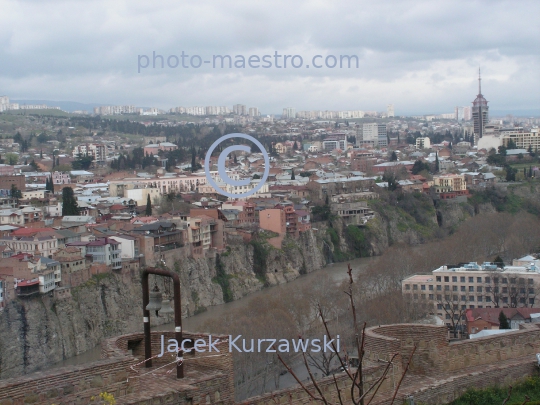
<point>421,56</point>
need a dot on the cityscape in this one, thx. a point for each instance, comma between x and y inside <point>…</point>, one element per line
<point>361,235</point>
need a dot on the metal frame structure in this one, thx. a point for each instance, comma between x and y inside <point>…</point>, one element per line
<point>177,316</point>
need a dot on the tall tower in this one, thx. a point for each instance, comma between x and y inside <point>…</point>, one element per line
<point>479,112</point>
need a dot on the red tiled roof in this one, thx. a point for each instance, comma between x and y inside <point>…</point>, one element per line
<point>491,315</point>
<point>27,283</point>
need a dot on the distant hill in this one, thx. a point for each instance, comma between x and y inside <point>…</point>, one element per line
<point>68,106</point>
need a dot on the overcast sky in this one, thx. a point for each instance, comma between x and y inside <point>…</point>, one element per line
<point>421,56</point>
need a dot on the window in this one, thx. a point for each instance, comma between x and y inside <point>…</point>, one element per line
<point>454,288</point>
<point>431,296</point>
<point>479,298</point>
<point>488,298</point>
<point>446,279</point>
<point>512,281</point>
<point>496,280</point>
<point>505,300</point>
<point>438,279</point>
<point>423,287</point>
<point>439,306</point>
<point>471,298</point>
<point>471,288</point>
<point>488,280</point>
<point>415,287</point>
<point>454,279</point>
<point>439,288</point>
<point>462,279</point>
<point>478,279</point>
<point>471,279</point>
<point>531,290</point>
<point>446,288</point>
<point>454,297</point>
<point>479,289</point>
<point>463,288</point>
<point>447,316</point>
<point>505,290</point>
<point>530,281</point>
<point>463,298</point>
<point>439,297</point>
<point>505,281</point>
<point>471,306</point>
<point>531,301</point>
<point>430,288</point>
<point>464,307</point>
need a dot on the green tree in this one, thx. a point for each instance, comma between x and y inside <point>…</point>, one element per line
<point>15,192</point>
<point>292,174</point>
<point>148,211</point>
<point>503,321</point>
<point>11,159</point>
<point>436,162</point>
<point>34,166</point>
<point>69,203</point>
<point>499,262</point>
<point>192,159</point>
<point>393,157</point>
<point>419,166</point>
<point>82,163</point>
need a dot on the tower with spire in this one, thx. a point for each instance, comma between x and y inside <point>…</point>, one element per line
<point>480,112</point>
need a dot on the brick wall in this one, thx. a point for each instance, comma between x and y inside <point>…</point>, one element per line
<point>70,385</point>
<point>435,354</point>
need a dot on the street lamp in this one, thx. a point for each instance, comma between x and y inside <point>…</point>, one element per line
<point>177,316</point>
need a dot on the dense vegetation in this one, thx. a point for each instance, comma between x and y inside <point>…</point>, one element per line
<point>530,387</point>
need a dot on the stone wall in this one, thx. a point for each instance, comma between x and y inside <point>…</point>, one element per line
<point>435,354</point>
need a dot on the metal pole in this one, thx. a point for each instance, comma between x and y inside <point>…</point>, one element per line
<point>146,320</point>
<point>177,316</point>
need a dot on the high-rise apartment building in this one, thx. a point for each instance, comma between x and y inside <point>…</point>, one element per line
<point>479,112</point>
<point>239,109</point>
<point>289,112</point>
<point>390,110</point>
<point>254,112</point>
<point>372,134</point>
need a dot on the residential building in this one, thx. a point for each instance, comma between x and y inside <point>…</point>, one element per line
<point>372,134</point>
<point>352,213</point>
<point>423,143</point>
<point>153,149</point>
<point>61,178</point>
<point>390,110</point>
<point>474,286</point>
<point>289,113</point>
<point>239,109</point>
<point>106,251</point>
<point>337,141</point>
<point>32,240</point>
<point>73,265</point>
<point>95,150</point>
<point>479,319</point>
<point>7,181</point>
<point>165,235</point>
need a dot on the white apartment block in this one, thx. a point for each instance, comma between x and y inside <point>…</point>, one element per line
<point>115,109</point>
<point>239,109</point>
<point>97,151</point>
<point>423,143</point>
<point>289,112</point>
<point>476,286</point>
<point>254,112</point>
<point>522,139</point>
<point>372,134</point>
<point>390,110</point>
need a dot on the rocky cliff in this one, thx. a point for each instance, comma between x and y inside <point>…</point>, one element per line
<point>40,331</point>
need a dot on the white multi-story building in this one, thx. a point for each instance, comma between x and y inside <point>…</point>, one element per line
<point>254,112</point>
<point>239,109</point>
<point>289,112</point>
<point>97,151</point>
<point>372,134</point>
<point>390,110</point>
<point>423,143</point>
<point>476,286</point>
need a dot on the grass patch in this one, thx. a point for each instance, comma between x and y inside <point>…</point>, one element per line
<point>222,279</point>
<point>260,255</point>
<point>496,395</point>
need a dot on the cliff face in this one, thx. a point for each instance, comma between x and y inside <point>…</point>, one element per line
<point>40,331</point>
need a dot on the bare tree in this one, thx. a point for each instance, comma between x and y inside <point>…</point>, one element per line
<point>360,395</point>
<point>454,307</point>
